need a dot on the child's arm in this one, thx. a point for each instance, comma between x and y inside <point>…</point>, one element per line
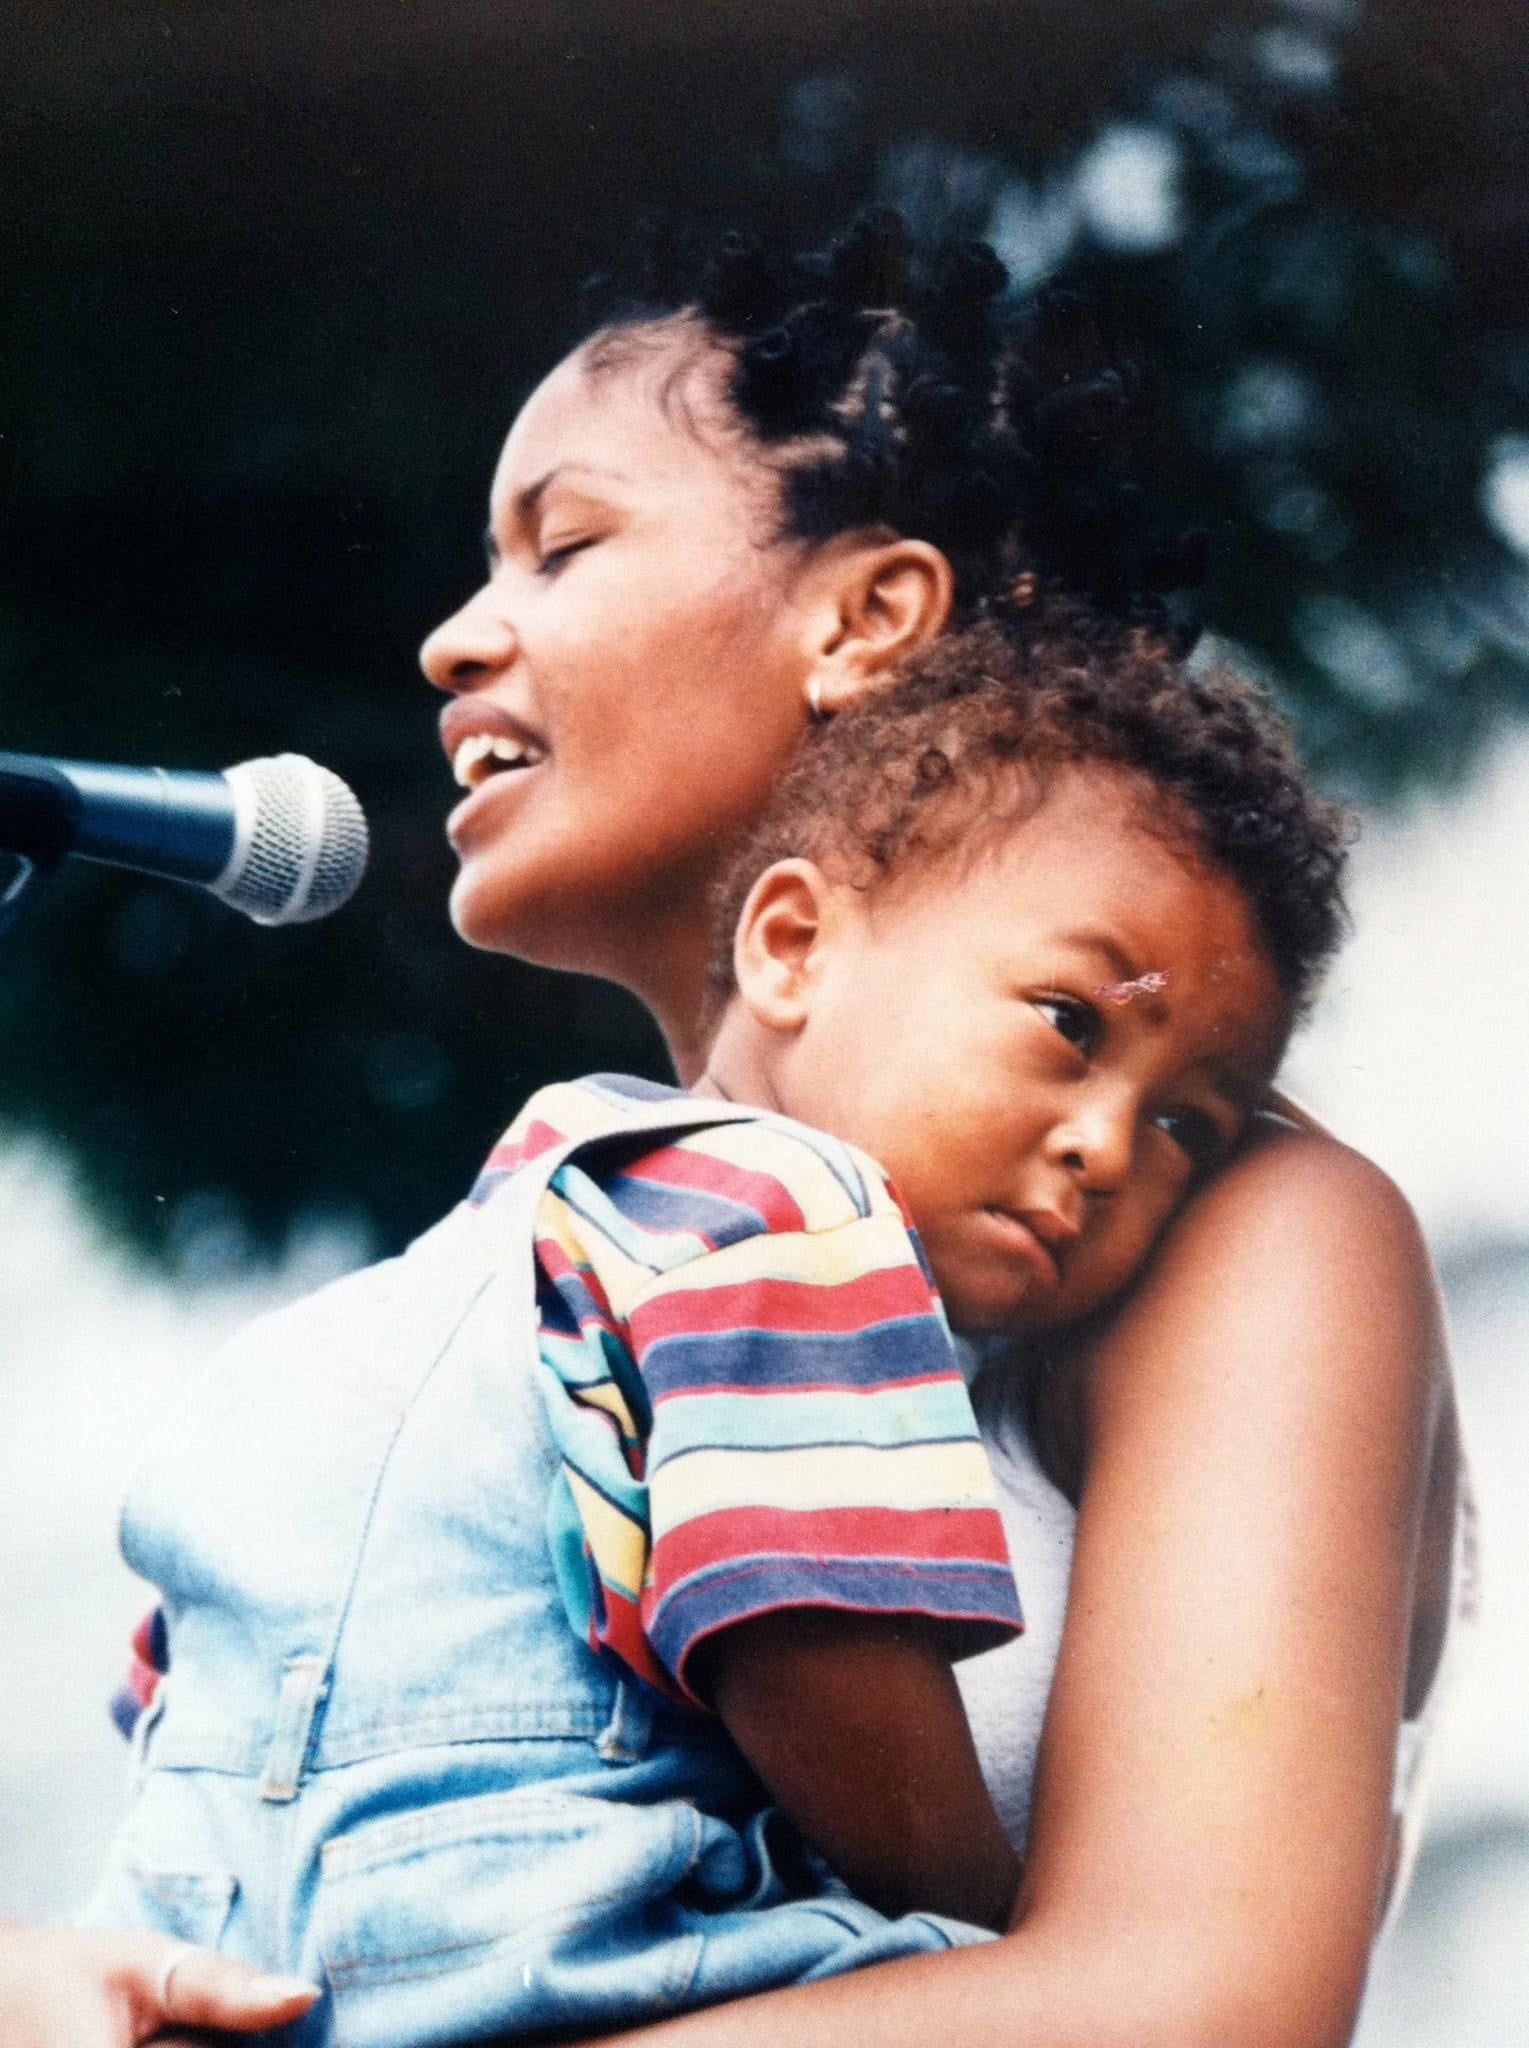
<point>855,1724</point>
<point>824,1533</point>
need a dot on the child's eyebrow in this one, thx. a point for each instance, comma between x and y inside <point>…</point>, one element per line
<point>1093,939</point>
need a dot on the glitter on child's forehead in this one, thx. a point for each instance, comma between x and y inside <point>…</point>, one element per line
<point>1121,992</point>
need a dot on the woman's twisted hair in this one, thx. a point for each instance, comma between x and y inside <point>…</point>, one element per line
<point>961,749</point>
<point>903,388</point>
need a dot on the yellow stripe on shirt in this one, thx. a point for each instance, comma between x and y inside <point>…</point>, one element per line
<point>909,1476</point>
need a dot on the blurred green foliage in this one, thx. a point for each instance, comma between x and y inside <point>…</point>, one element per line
<point>274,280</point>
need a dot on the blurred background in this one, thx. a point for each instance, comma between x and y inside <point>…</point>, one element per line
<point>271,284</point>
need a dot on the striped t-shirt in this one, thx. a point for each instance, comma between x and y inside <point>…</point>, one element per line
<point>750,1383</point>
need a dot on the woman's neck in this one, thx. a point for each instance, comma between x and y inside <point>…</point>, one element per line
<point>687,1049</point>
<point>670,982</point>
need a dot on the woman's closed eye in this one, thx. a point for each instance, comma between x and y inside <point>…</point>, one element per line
<point>1078,1022</point>
<point>551,559</point>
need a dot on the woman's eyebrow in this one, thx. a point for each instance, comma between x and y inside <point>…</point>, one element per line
<point>527,499</point>
<point>529,496</point>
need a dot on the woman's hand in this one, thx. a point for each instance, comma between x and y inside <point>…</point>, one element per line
<point>65,1987</point>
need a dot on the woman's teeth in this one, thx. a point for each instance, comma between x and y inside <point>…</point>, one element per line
<point>483,754</point>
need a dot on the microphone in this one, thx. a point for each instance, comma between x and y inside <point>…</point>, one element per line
<point>281,839</point>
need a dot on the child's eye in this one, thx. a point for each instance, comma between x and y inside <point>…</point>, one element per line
<point>1077,1022</point>
<point>1198,1135</point>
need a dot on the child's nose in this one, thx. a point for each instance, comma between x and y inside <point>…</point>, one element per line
<point>1095,1142</point>
<point>470,647</point>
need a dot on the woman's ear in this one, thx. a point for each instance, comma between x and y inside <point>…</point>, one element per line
<point>879,601</point>
<point>777,946</point>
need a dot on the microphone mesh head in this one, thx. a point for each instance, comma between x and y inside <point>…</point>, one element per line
<point>302,841</point>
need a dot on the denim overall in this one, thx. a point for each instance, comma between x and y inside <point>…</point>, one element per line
<point>381,1758</point>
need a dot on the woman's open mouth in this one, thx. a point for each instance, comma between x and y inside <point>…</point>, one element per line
<point>487,766</point>
<point>483,755</point>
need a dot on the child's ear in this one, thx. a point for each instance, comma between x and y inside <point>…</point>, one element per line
<point>777,945</point>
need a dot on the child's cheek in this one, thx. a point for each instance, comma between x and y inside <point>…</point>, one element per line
<point>1104,1264</point>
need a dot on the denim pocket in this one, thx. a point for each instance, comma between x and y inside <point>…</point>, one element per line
<point>190,1905</point>
<point>519,1910</point>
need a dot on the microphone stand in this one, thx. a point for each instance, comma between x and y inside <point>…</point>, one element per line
<point>24,884</point>
<point>36,805</point>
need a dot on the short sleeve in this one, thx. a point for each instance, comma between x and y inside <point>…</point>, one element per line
<point>813,1443</point>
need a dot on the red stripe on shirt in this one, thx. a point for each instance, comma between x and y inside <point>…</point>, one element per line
<point>964,1534</point>
<point>795,1307</point>
<point>769,1198</point>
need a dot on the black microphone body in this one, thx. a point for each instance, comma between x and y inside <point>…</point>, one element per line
<point>281,839</point>
<point>176,824</point>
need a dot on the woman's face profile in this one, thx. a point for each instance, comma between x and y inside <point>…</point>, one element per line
<point>634,662</point>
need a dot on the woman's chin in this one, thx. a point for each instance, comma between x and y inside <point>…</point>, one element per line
<point>482,919</point>
<point>524,923</point>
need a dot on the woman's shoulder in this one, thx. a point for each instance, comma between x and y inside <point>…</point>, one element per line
<point>1298,1216</point>
<point>1301,1258</point>
<point>1288,1166</point>
<point>1295,1287</point>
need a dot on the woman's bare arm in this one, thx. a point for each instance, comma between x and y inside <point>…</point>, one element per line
<point>1211,1824</point>
<point>1261,1427</point>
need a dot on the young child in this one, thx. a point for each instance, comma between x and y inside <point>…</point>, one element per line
<point>1007,966</point>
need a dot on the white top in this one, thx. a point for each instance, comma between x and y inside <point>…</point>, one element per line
<point>1006,1689</point>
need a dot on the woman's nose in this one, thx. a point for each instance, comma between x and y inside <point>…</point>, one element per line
<point>472,646</point>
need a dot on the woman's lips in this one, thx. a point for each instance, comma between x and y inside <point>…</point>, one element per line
<point>493,793</point>
<point>490,750</point>
<point>475,719</point>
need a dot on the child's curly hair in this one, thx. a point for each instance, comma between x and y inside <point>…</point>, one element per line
<point>964,744</point>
